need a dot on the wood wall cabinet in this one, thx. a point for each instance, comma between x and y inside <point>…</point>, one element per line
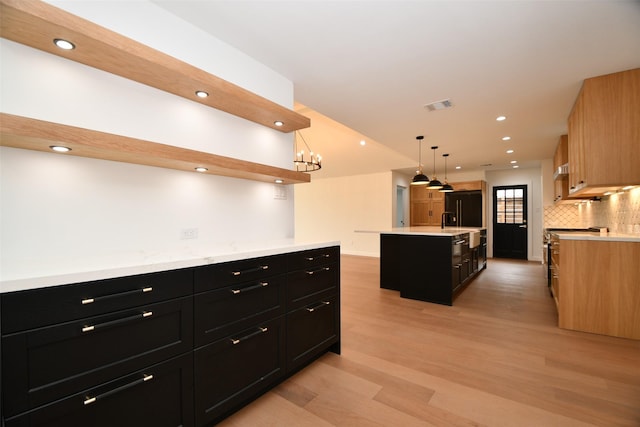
<point>604,132</point>
<point>561,173</point>
<point>177,348</point>
<point>427,206</point>
<point>598,287</point>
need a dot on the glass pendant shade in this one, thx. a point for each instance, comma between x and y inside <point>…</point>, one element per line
<point>420,178</point>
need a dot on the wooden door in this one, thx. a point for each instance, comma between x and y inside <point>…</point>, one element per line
<point>510,222</point>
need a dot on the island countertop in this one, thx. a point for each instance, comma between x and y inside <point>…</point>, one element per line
<point>56,272</point>
<point>425,230</point>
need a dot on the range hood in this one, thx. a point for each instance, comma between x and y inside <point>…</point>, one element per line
<point>561,171</point>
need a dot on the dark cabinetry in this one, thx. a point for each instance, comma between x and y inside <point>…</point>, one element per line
<point>426,267</point>
<point>177,348</point>
<point>313,305</point>
<point>62,368</point>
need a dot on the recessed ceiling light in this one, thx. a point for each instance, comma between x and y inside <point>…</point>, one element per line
<point>501,118</point>
<point>506,138</point>
<point>64,44</point>
<point>278,123</point>
<point>458,167</point>
<point>514,161</point>
<point>201,169</point>
<point>60,148</point>
<point>279,181</point>
<point>509,151</point>
<point>516,166</point>
<point>363,142</point>
<point>201,94</point>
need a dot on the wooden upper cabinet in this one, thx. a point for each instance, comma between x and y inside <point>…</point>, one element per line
<point>604,134</point>
<point>469,186</point>
<point>426,206</point>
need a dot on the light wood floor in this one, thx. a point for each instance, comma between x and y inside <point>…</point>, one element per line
<point>496,358</point>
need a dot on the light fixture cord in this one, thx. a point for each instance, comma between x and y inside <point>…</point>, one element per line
<point>303,140</point>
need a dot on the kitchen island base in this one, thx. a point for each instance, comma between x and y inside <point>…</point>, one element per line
<point>432,268</point>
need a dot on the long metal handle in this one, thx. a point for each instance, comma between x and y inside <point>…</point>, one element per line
<point>89,328</point>
<point>523,226</point>
<point>116,295</point>
<point>249,288</point>
<point>322,304</point>
<point>319,270</point>
<point>260,330</point>
<point>250,270</point>
<point>319,256</point>
<point>145,377</point>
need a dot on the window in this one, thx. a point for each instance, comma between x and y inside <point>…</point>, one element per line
<point>509,206</point>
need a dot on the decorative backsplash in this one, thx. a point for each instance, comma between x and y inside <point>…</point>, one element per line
<point>619,212</point>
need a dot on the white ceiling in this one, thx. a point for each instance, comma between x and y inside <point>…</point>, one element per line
<point>373,65</point>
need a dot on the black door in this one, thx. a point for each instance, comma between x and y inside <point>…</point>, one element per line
<point>510,222</point>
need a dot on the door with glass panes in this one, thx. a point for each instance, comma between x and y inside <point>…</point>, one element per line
<point>510,222</point>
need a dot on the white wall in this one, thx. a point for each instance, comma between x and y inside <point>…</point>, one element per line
<point>532,178</point>
<point>335,208</point>
<point>59,212</point>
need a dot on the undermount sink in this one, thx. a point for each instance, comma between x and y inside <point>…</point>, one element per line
<point>474,239</point>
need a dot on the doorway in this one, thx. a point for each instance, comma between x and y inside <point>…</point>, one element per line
<point>510,222</point>
<point>401,195</point>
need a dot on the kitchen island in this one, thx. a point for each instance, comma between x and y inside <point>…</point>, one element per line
<point>431,263</point>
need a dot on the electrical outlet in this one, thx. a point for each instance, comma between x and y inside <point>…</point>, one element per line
<point>188,233</point>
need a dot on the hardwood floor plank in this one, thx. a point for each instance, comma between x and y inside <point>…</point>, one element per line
<point>494,358</point>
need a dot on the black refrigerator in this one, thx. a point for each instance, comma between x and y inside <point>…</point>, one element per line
<point>465,208</point>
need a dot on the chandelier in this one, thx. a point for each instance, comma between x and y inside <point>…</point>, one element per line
<point>305,161</point>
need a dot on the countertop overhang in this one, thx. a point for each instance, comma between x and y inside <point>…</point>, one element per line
<point>130,265</point>
<point>425,231</point>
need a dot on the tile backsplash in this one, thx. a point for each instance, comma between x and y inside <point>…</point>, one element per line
<point>619,212</point>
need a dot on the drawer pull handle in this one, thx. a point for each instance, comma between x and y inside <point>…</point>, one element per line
<point>260,330</point>
<point>89,400</point>
<point>89,328</point>
<point>310,258</point>
<point>322,304</point>
<point>312,272</point>
<point>119,294</point>
<point>249,288</point>
<point>250,270</point>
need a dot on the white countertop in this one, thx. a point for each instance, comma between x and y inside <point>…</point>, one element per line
<point>425,230</point>
<point>53,274</point>
<point>608,237</point>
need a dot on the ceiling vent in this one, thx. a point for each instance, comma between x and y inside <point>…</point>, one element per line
<point>439,105</point>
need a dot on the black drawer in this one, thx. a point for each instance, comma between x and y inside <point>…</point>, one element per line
<point>237,368</point>
<point>308,285</point>
<point>311,330</point>
<point>45,364</point>
<point>47,306</point>
<point>313,258</point>
<point>220,312</point>
<point>160,396</point>
<point>228,273</point>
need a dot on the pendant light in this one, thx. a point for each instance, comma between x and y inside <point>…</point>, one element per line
<point>446,188</point>
<point>434,184</point>
<point>420,178</point>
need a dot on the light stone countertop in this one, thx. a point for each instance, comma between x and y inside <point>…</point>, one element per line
<point>53,274</point>
<point>425,230</point>
<point>607,237</point>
